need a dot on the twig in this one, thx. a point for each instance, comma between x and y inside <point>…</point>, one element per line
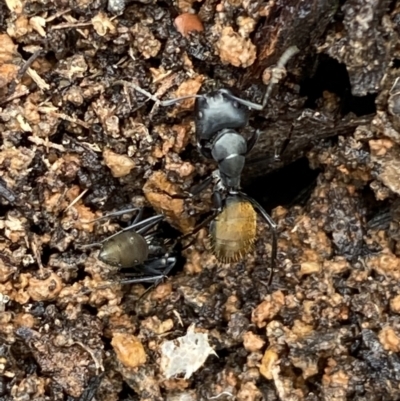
<point>36,253</point>
<point>20,74</point>
<point>23,70</point>
<point>14,96</point>
<point>91,353</point>
<point>66,25</point>
<point>76,199</point>
<point>57,15</point>
<point>221,394</point>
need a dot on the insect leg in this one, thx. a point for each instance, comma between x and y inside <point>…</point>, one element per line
<point>273,228</point>
<point>151,278</point>
<point>277,74</point>
<point>155,99</point>
<point>115,214</point>
<point>139,216</point>
<point>195,230</point>
<point>217,200</point>
<point>252,141</point>
<point>119,213</point>
<point>195,190</point>
<point>147,223</point>
<point>278,154</point>
<point>170,263</point>
<point>154,266</point>
<point>138,280</point>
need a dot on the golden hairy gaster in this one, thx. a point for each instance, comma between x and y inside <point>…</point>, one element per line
<point>233,232</point>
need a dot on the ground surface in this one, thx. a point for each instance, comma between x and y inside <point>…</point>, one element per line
<point>78,142</point>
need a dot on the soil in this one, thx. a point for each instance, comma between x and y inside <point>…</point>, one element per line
<point>78,142</point>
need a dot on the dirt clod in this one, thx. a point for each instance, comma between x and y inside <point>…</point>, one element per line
<point>78,142</point>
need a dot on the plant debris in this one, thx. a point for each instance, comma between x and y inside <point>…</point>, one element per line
<point>185,354</point>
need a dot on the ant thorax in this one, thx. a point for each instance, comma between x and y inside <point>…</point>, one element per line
<point>220,187</point>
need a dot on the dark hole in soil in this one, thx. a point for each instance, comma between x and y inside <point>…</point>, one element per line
<point>396,63</point>
<point>378,212</point>
<point>289,185</point>
<point>127,394</point>
<point>4,209</point>
<point>46,253</point>
<point>332,76</point>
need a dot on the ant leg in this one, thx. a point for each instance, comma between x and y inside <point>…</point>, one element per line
<point>166,262</point>
<point>154,277</point>
<point>278,154</point>
<point>136,223</point>
<point>147,223</point>
<point>217,200</point>
<point>155,99</point>
<point>204,151</point>
<point>147,279</point>
<point>278,73</point>
<point>252,141</point>
<point>273,228</point>
<point>150,268</point>
<point>169,262</point>
<point>380,221</point>
<point>195,190</point>
<point>138,280</point>
<point>204,223</point>
<point>138,217</point>
<point>115,214</point>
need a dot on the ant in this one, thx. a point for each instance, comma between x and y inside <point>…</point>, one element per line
<point>137,249</point>
<point>218,114</point>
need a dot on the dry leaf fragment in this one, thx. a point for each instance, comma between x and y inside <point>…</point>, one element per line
<point>102,24</point>
<point>38,23</point>
<point>15,6</point>
<point>185,354</point>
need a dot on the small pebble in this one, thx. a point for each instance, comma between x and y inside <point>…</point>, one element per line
<point>186,23</point>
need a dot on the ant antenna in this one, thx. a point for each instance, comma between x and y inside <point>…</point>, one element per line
<point>155,99</point>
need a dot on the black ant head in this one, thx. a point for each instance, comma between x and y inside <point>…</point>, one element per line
<point>218,110</point>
